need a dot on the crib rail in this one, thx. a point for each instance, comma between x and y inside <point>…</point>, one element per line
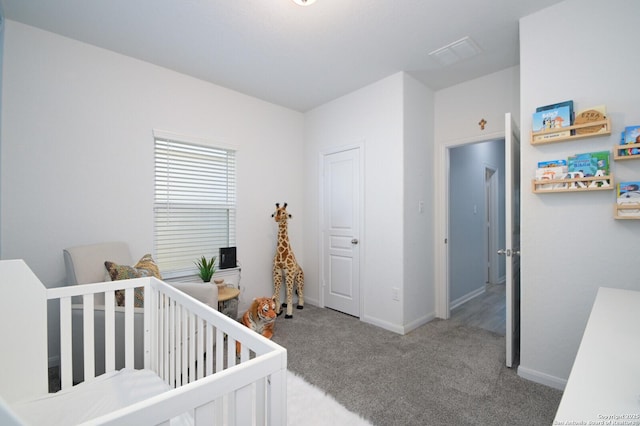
<point>186,343</point>
<point>87,293</point>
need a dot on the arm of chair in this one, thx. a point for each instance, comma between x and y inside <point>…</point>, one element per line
<point>205,293</point>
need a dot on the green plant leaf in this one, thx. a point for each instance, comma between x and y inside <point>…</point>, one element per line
<point>206,268</point>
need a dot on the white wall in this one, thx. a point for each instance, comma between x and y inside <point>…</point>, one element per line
<point>77,153</point>
<point>418,296</point>
<point>571,245</point>
<point>458,110</point>
<point>372,116</point>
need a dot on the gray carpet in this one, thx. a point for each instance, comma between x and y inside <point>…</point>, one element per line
<point>443,373</point>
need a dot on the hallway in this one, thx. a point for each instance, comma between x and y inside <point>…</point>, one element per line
<point>486,311</point>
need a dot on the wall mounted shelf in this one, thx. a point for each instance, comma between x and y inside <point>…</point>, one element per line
<point>617,155</point>
<point>552,135</point>
<point>573,185</point>
<point>619,208</point>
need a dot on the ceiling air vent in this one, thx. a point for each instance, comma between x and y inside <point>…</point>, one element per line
<point>455,52</point>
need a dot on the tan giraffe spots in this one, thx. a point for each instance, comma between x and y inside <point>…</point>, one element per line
<point>284,261</point>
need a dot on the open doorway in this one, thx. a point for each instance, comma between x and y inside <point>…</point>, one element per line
<point>511,250</point>
<point>476,230</point>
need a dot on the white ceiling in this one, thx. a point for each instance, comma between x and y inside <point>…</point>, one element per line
<point>297,57</point>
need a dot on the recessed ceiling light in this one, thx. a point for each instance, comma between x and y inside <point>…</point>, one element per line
<point>304,2</point>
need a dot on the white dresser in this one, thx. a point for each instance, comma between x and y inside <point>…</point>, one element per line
<point>604,384</point>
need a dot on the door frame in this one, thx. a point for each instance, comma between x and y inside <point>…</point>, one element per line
<point>442,217</point>
<point>491,218</point>
<point>361,236</point>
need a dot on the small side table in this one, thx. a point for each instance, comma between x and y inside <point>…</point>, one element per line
<point>228,301</point>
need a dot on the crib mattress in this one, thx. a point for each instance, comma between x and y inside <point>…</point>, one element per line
<point>88,400</point>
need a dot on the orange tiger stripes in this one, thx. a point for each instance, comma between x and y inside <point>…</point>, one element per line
<point>260,317</point>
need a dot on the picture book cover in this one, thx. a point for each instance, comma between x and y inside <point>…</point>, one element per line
<point>631,135</point>
<point>552,163</point>
<point>629,193</point>
<point>551,119</point>
<point>551,173</point>
<point>589,163</point>
<point>568,104</point>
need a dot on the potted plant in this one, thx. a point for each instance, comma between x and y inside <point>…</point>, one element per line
<point>206,268</point>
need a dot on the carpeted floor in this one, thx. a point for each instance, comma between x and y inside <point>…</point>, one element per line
<point>440,374</point>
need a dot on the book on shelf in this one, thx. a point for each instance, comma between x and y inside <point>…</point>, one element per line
<point>568,104</point>
<point>551,173</point>
<point>550,119</point>
<point>628,193</point>
<point>589,115</point>
<point>589,163</point>
<point>552,163</point>
<point>630,135</point>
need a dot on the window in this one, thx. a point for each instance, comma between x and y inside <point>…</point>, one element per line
<point>195,203</point>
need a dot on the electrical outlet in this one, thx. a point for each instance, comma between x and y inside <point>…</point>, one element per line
<point>395,293</point>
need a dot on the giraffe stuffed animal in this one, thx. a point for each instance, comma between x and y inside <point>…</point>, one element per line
<point>285,262</point>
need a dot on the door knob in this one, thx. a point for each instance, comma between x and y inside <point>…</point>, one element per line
<point>354,241</point>
<point>503,252</point>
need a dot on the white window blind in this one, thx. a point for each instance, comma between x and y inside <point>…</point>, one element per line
<point>195,204</point>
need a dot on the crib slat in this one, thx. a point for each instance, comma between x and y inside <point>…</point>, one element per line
<point>146,328</point>
<point>88,337</point>
<point>172,344</point>
<point>244,353</point>
<point>109,331</point>
<point>200,347</point>
<point>231,351</point>
<point>210,349</point>
<point>184,322</point>
<point>129,359</point>
<point>164,355</point>
<point>66,352</point>
<point>177,348</point>
<point>219,350</point>
<point>192,347</point>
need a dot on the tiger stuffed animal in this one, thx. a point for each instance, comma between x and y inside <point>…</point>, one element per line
<point>260,317</point>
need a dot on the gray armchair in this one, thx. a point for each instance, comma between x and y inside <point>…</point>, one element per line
<point>85,265</point>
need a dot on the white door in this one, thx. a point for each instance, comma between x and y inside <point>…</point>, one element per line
<point>340,231</point>
<point>512,239</point>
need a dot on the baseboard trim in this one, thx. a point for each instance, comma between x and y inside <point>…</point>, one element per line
<point>311,301</point>
<point>419,322</point>
<point>382,324</point>
<point>399,329</point>
<point>459,301</point>
<point>542,378</point>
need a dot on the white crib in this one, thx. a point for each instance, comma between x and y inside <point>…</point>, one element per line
<point>191,369</point>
